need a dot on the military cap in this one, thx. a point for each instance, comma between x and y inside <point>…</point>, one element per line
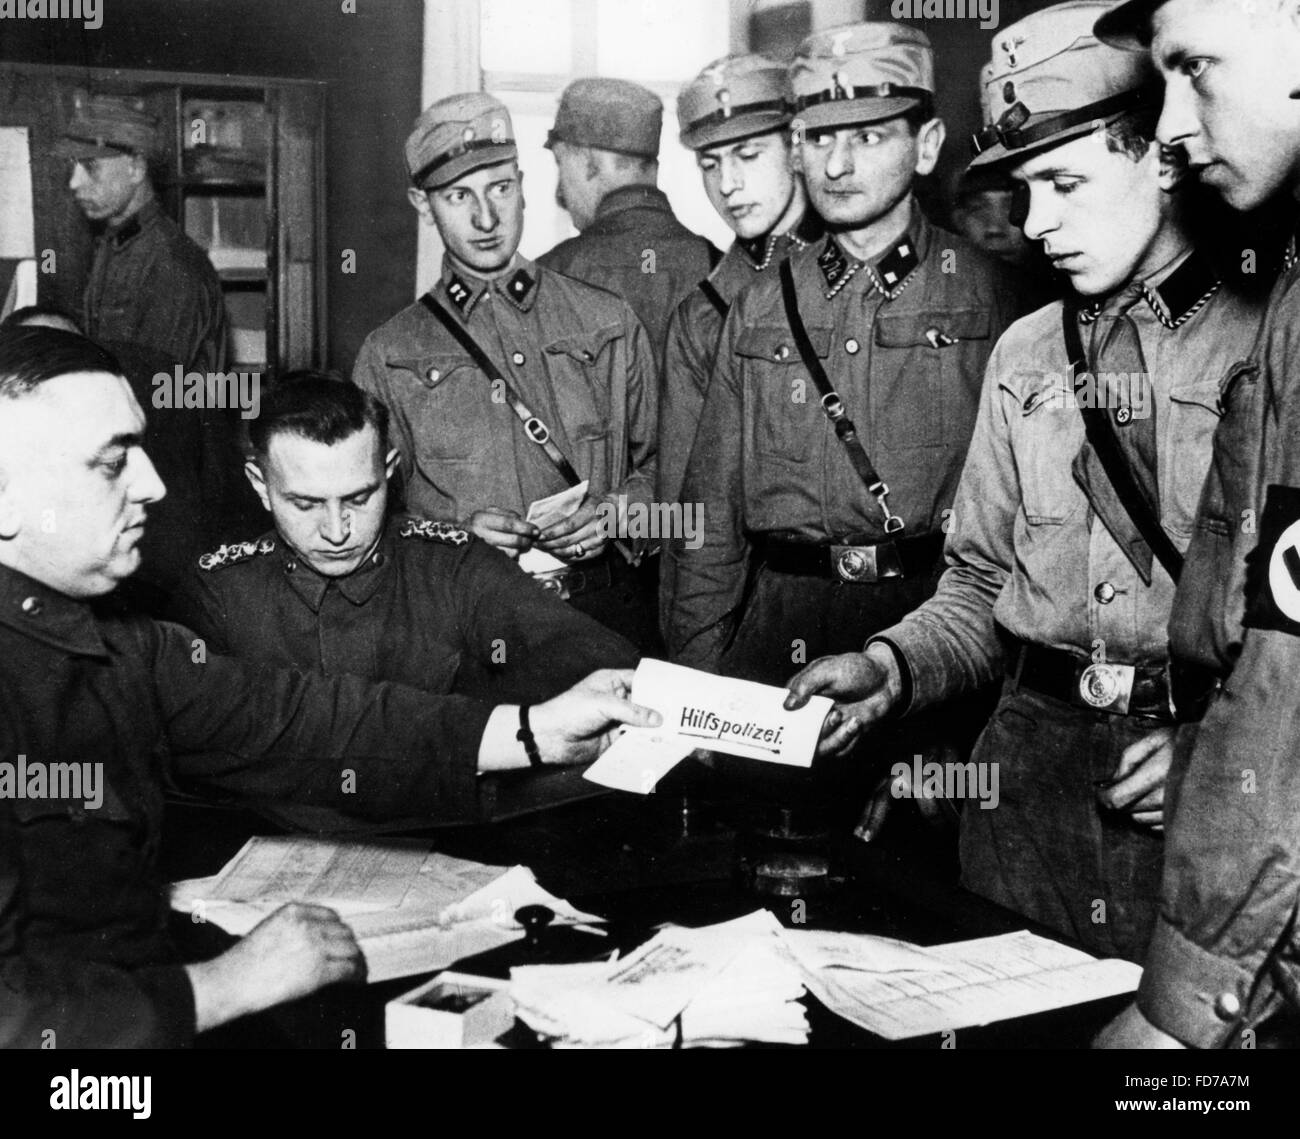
<point>1127,26</point>
<point>1053,81</point>
<point>108,125</point>
<point>610,114</point>
<point>459,134</point>
<point>734,97</point>
<point>861,73</point>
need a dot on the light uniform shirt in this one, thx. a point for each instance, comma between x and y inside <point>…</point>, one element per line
<point>576,355</point>
<point>1025,550</point>
<point>904,341</point>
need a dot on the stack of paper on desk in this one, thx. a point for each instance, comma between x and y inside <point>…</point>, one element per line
<point>412,910</point>
<point>897,990</point>
<point>714,987</point>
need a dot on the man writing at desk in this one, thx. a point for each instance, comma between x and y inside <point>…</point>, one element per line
<point>340,587</point>
<point>125,703</point>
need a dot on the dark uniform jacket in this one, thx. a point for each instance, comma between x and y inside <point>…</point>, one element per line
<point>84,950</point>
<point>1226,944</point>
<point>152,285</point>
<point>905,342</point>
<point>638,249</point>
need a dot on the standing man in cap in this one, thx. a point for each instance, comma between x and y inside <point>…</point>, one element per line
<point>606,146</point>
<point>1225,955</point>
<point>508,383</point>
<point>806,549</point>
<point>1076,503</point>
<point>150,284</point>
<point>735,116</point>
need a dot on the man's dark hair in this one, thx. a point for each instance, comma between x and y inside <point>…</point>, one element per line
<point>317,406</point>
<point>1134,131</point>
<point>20,316</point>
<point>918,115</point>
<point>31,356</point>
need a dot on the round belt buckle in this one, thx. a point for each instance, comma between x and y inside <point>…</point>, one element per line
<point>1099,685</point>
<point>553,584</point>
<point>851,565</point>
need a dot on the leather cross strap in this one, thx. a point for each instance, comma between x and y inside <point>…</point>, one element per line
<point>845,430</point>
<point>1101,435</point>
<point>534,427</point>
<point>710,291</point>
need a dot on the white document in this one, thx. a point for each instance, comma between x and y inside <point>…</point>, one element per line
<point>358,875</point>
<point>546,512</point>
<point>447,909</point>
<point>17,219</point>
<point>717,713</point>
<point>896,994</point>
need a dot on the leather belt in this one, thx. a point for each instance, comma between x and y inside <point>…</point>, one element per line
<point>857,565</point>
<point>1108,686</point>
<point>586,577</point>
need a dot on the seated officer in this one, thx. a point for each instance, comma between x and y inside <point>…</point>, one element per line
<point>340,587</point>
<point>1078,497</point>
<point>98,711</point>
<point>508,382</point>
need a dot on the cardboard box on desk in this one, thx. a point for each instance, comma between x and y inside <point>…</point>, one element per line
<point>451,1011</point>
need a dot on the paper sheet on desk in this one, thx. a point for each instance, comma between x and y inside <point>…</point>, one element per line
<point>900,991</point>
<point>701,710</point>
<point>546,512</point>
<point>450,909</point>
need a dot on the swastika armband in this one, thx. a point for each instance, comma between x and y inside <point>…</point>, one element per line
<point>235,553</point>
<point>433,531</point>
<point>1273,569</point>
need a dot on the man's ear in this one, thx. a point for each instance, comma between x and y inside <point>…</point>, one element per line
<point>390,463</point>
<point>592,169</point>
<point>258,482</point>
<point>929,142</point>
<point>139,169</point>
<point>10,516</point>
<point>419,199</point>
<point>1172,168</point>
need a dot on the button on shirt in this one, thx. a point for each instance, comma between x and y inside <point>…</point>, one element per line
<point>773,466</point>
<point>84,949</point>
<point>1025,550</point>
<point>637,249</point>
<point>152,285</point>
<point>1232,862</point>
<point>588,372</point>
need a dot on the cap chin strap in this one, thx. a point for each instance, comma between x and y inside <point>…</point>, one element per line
<point>861,91</point>
<point>723,114</point>
<point>1011,132</point>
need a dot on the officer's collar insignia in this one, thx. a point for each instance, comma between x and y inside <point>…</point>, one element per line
<point>433,531</point>
<point>520,287</point>
<point>836,268</point>
<point>125,232</point>
<point>234,553</point>
<point>897,265</point>
<point>1182,294</point>
<point>759,250</point>
<point>459,292</point>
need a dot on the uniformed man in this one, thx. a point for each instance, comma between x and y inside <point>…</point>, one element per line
<point>734,115</point>
<point>97,711</point>
<point>340,587</point>
<point>1224,956</point>
<point>1076,503</point>
<point>606,146</point>
<point>508,383</point>
<point>806,548</point>
<point>150,284</point>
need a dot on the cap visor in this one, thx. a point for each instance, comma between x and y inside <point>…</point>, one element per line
<point>733,130</point>
<point>464,164</point>
<point>79,151</point>
<point>853,112</point>
<point>1128,25</point>
<point>1000,153</point>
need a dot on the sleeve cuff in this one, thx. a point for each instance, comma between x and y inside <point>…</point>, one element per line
<point>1191,993</point>
<point>905,674</point>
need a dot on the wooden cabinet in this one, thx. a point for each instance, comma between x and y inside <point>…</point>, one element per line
<point>240,165</point>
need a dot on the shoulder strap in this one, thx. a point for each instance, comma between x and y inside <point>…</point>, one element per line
<point>845,430</point>
<point>534,428</point>
<point>710,291</point>
<point>1102,437</point>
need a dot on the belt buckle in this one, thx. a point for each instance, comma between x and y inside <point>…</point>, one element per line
<point>555,581</point>
<point>1107,687</point>
<point>855,564</point>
